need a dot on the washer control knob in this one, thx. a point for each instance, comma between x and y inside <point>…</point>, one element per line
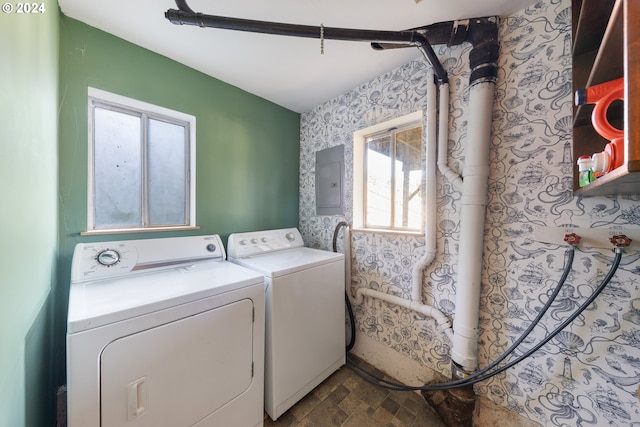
<point>254,241</point>
<point>211,247</point>
<point>290,237</point>
<point>264,240</point>
<point>108,257</point>
<point>243,242</point>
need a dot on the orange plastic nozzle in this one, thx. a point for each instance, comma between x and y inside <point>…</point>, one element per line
<point>602,95</point>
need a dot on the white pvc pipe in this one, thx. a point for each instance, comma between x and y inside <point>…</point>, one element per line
<point>429,203</point>
<point>430,218</point>
<point>426,310</point>
<point>443,140</point>
<point>473,203</point>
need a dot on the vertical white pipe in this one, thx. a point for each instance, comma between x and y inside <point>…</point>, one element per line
<point>429,203</point>
<point>443,140</point>
<point>430,218</point>
<point>473,203</point>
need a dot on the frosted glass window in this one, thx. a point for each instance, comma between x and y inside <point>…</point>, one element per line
<point>393,179</point>
<point>118,169</point>
<point>140,174</point>
<point>167,174</point>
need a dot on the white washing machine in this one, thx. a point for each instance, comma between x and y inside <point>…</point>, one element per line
<point>305,322</point>
<point>164,332</point>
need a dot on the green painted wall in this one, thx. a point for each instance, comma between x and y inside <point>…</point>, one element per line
<point>28,214</point>
<point>247,148</point>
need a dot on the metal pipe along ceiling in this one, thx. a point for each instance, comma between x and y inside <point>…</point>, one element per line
<point>184,15</point>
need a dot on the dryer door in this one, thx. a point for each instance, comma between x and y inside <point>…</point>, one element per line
<point>179,373</point>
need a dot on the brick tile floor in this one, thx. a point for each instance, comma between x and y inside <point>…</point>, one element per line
<point>346,400</point>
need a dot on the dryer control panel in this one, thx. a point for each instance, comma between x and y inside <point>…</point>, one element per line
<point>241,245</point>
<point>92,261</point>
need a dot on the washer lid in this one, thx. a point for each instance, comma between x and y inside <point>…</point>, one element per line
<point>101,302</point>
<point>274,264</point>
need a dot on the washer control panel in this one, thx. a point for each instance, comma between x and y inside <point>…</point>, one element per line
<point>92,261</point>
<point>242,245</point>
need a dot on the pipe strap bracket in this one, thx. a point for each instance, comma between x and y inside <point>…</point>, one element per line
<point>459,32</point>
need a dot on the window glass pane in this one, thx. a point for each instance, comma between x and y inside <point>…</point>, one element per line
<point>408,179</point>
<point>378,182</point>
<point>117,165</point>
<point>167,173</point>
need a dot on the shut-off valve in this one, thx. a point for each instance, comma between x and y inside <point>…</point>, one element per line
<point>620,241</point>
<point>572,239</point>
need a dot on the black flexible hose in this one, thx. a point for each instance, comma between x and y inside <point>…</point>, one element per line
<point>479,377</point>
<point>352,323</point>
<point>183,6</point>
<point>352,320</point>
<point>335,234</point>
<point>567,269</point>
<point>565,273</point>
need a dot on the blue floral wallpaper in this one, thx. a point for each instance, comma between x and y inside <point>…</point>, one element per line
<point>589,374</point>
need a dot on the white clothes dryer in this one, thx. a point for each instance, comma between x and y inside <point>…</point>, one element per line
<point>305,321</point>
<point>164,332</point>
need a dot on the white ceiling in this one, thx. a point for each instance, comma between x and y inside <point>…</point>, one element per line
<point>288,71</point>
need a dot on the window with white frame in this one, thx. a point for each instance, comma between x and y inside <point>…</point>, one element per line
<point>388,175</point>
<point>141,165</point>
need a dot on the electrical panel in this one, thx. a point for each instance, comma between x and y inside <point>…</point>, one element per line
<point>330,181</point>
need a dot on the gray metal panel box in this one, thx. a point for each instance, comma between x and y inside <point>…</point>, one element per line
<point>330,181</point>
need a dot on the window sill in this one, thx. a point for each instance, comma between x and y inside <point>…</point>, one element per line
<point>136,230</point>
<point>385,231</point>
